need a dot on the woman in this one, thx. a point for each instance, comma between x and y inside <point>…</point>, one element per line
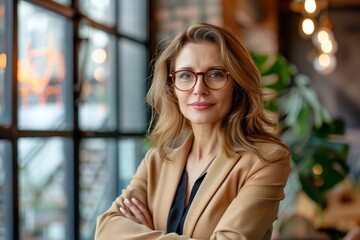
<point>225,181</point>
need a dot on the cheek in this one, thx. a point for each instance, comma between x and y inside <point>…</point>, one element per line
<point>227,100</point>
<point>181,99</point>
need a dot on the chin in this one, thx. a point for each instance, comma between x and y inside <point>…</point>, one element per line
<point>204,121</point>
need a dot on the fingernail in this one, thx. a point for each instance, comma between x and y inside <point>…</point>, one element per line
<point>122,209</point>
<point>134,200</point>
<point>126,201</point>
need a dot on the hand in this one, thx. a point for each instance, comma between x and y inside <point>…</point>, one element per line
<point>137,212</point>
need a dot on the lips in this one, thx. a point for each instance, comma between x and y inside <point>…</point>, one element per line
<point>201,105</point>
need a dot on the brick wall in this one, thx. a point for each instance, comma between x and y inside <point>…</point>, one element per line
<point>254,20</point>
<point>174,15</point>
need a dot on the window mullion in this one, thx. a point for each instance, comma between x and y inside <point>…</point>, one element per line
<point>12,40</point>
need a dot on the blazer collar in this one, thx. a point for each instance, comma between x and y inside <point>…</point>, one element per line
<point>169,180</point>
<point>216,173</point>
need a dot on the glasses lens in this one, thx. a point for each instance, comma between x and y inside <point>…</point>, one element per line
<point>215,79</point>
<point>184,80</point>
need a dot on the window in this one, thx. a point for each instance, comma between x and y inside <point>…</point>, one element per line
<point>132,55</point>
<point>73,114</point>
<point>43,165</point>
<point>5,190</point>
<point>44,69</point>
<point>98,81</point>
<point>5,40</point>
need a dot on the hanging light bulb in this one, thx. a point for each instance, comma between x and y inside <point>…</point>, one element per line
<point>325,63</point>
<point>307,27</point>
<point>310,6</point>
<point>324,41</point>
<point>323,34</point>
<point>329,46</point>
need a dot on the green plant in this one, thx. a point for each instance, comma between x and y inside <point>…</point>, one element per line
<point>318,161</point>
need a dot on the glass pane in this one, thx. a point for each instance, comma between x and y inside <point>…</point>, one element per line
<point>5,96</point>
<point>133,65</point>
<point>133,18</point>
<point>97,181</point>
<point>65,2</point>
<point>101,11</point>
<point>43,164</point>
<point>43,78</point>
<point>131,152</point>
<point>5,190</point>
<point>97,61</point>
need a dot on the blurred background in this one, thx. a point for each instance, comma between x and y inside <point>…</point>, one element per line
<point>73,116</point>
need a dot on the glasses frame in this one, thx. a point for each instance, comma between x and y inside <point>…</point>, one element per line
<point>172,75</point>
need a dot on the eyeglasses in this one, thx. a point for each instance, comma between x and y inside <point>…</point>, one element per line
<point>185,80</point>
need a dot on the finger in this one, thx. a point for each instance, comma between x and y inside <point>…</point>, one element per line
<point>144,210</point>
<point>135,211</point>
<point>126,213</point>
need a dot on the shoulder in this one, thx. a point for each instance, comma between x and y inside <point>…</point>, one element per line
<point>179,146</point>
<point>152,156</point>
<point>270,155</point>
<point>273,165</point>
<point>269,152</point>
<point>273,152</point>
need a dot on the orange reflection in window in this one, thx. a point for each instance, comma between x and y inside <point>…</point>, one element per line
<point>2,61</point>
<point>41,80</point>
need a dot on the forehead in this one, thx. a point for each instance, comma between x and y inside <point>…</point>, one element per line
<point>202,54</point>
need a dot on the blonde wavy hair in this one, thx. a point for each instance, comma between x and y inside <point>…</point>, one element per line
<point>245,125</point>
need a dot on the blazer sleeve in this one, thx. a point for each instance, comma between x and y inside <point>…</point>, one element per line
<point>252,213</point>
<point>112,226</point>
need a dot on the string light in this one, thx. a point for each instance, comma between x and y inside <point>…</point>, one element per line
<point>310,6</point>
<point>327,46</point>
<point>321,34</point>
<point>325,63</point>
<point>307,26</point>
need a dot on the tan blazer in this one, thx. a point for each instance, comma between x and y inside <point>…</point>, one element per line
<point>238,199</point>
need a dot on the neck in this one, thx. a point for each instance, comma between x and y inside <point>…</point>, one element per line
<point>206,143</point>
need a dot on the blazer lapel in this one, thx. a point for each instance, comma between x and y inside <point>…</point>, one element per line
<point>169,180</point>
<point>219,169</point>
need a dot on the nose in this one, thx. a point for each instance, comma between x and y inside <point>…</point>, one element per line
<point>200,87</point>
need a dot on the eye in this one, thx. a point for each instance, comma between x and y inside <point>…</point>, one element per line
<point>216,74</point>
<point>184,75</point>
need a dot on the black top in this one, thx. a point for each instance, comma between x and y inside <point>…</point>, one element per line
<point>178,210</point>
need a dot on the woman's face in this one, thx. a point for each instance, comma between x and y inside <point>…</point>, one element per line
<point>202,105</point>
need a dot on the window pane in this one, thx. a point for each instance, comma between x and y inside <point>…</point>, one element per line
<point>5,190</point>
<point>101,11</point>
<point>133,65</point>
<point>133,18</point>
<point>97,60</point>
<point>43,164</point>
<point>97,181</point>
<point>5,104</point>
<point>43,77</point>
<point>131,152</point>
<point>65,2</point>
